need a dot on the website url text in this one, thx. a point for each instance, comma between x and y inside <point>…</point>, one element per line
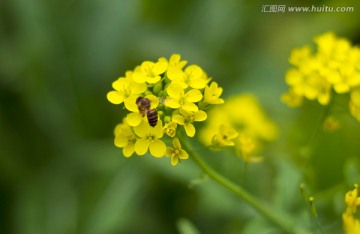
<point>313,8</point>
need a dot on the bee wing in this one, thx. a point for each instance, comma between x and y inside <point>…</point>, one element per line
<point>154,101</point>
<point>170,102</point>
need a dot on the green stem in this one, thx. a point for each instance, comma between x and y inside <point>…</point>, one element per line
<point>283,222</point>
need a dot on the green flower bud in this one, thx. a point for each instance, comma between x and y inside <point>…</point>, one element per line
<point>157,88</point>
<point>167,119</point>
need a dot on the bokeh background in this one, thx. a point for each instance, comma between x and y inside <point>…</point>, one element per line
<point>61,173</point>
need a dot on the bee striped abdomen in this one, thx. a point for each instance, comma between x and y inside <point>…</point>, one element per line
<point>152,117</point>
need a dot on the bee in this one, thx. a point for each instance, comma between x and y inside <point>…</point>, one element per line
<point>143,105</point>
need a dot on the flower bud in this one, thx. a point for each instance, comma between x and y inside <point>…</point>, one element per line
<point>157,88</point>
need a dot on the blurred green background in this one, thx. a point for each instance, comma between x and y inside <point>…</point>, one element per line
<point>61,173</point>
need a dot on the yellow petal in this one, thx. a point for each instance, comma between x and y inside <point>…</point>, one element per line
<point>137,88</point>
<point>189,129</point>
<point>143,129</point>
<point>121,141</point>
<point>169,151</point>
<point>174,90</point>
<point>200,116</point>
<point>114,97</point>
<point>130,103</point>
<point>141,146</point>
<point>139,76</point>
<point>193,95</point>
<point>199,83</point>
<point>183,154</point>
<point>147,66</point>
<point>160,67</point>
<point>178,119</point>
<point>175,58</point>
<point>342,88</point>
<point>134,119</point>
<point>174,160</point>
<point>157,131</point>
<point>152,79</point>
<point>172,103</point>
<point>128,150</point>
<point>157,148</point>
<point>190,107</point>
<point>176,144</point>
<point>175,74</point>
<point>227,131</point>
<point>194,71</point>
<point>119,84</point>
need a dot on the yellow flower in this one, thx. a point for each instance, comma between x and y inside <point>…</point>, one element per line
<point>212,94</point>
<point>300,55</point>
<point>247,149</point>
<point>193,76</point>
<point>333,66</point>
<point>351,198</point>
<point>175,62</point>
<point>179,99</point>
<point>125,138</point>
<point>242,113</point>
<point>176,153</point>
<point>311,85</point>
<point>150,72</point>
<point>149,138</point>
<point>170,129</point>
<point>175,93</point>
<point>125,90</point>
<point>224,137</point>
<point>350,223</point>
<point>340,61</point>
<point>188,118</point>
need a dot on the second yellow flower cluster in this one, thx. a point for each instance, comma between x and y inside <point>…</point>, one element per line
<point>334,68</point>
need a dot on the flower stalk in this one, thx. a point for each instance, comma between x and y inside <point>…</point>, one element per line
<point>279,220</point>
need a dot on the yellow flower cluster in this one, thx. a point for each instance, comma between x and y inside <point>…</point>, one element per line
<point>239,123</point>
<point>350,222</point>
<point>333,69</point>
<point>161,96</point>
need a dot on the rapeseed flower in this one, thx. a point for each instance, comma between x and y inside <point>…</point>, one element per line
<point>224,137</point>
<point>150,72</point>
<point>125,90</point>
<point>350,222</point>
<point>187,119</point>
<point>179,99</point>
<point>192,76</point>
<point>176,153</point>
<point>125,138</point>
<point>170,129</point>
<point>240,120</point>
<point>333,69</point>
<point>149,138</point>
<point>172,95</point>
<point>212,94</point>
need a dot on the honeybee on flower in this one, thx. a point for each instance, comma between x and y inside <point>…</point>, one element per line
<point>160,96</point>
